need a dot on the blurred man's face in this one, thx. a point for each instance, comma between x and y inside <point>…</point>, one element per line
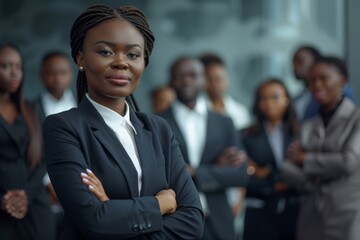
<point>188,80</point>
<point>216,81</point>
<point>56,75</point>
<point>302,62</point>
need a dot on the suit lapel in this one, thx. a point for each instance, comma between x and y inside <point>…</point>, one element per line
<point>5,126</point>
<point>147,157</point>
<point>343,112</point>
<point>111,143</point>
<point>169,116</point>
<point>209,134</point>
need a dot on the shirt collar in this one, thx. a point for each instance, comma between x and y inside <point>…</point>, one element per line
<point>66,97</point>
<point>200,108</point>
<point>111,117</point>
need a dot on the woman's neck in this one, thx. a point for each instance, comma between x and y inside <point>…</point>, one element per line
<point>273,123</point>
<point>5,97</point>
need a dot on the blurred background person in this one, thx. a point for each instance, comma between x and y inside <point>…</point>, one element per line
<point>216,87</point>
<point>219,100</point>
<point>305,104</point>
<point>56,75</point>
<point>25,211</point>
<point>161,98</point>
<point>209,144</point>
<point>325,166</point>
<point>271,206</point>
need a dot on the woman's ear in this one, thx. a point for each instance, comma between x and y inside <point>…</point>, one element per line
<point>79,60</point>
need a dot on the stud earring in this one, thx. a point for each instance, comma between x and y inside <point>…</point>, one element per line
<point>81,68</point>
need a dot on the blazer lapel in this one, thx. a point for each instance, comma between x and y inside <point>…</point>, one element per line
<point>6,128</point>
<point>169,116</point>
<point>147,157</point>
<point>108,139</point>
<point>343,112</point>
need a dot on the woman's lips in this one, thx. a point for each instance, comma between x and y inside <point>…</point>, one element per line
<point>319,94</point>
<point>14,83</point>
<point>118,79</point>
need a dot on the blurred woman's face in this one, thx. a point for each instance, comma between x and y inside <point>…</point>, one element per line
<point>273,101</point>
<point>11,72</point>
<point>326,84</point>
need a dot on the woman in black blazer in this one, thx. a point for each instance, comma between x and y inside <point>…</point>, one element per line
<point>271,205</point>
<point>147,191</point>
<point>25,210</point>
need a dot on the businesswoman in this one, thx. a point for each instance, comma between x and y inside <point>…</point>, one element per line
<point>272,206</point>
<point>325,166</point>
<point>25,210</point>
<point>134,155</point>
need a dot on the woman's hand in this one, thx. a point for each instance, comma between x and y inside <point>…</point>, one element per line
<point>295,153</point>
<point>259,172</point>
<point>15,203</point>
<point>94,185</point>
<point>167,201</point>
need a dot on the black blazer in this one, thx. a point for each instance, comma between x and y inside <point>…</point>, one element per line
<point>39,109</point>
<point>79,138</point>
<point>15,173</point>
<point>258,149</point>
<point>211,179</point>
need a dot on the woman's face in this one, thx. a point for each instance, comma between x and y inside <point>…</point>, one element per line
<point>11,72</point>
<point>326,84</point>
<point>113,59</point>
<point>273,101</point>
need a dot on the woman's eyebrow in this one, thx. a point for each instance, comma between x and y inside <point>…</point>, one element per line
<point>112,44</point>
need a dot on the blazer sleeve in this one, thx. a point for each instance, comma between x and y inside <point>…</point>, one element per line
<point>210,177</point>
<point>332,165</point>
<point>117,218</point>
<point>94,219</point>
<point>188,220</point>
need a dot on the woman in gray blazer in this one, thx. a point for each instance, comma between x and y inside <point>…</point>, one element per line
<point>325,165</point>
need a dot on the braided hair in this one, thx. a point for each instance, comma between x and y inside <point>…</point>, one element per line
<point>96,14</point>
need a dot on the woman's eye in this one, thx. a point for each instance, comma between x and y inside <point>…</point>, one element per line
<point>105,53</point>
<point>133,55</point>
<point>5,65</point>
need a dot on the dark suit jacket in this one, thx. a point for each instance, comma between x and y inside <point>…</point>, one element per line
<point>79,138</point>
<point>258,149</point>
<point>15,173</point>
<point>39,109</point>
<point>211,179</point>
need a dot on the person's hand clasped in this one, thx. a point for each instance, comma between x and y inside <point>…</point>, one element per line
<point>231,157</point>
<point>94,185</point>
<point>167,201</point>
<point>295,153</point>
<point>15,203</point>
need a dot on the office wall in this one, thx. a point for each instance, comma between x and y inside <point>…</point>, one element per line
<point>256,38</point>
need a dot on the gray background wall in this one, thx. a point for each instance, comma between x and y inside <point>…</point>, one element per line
<point>256,38</point>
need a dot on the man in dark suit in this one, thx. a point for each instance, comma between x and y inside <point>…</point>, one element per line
<point>209,144</point>
<point>56,75</point>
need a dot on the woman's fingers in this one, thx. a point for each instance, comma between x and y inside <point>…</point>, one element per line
<point>94,185</point>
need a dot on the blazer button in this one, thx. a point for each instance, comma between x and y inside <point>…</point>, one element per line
<point>149,225</point>
<point>144,226</point>
<point>135,228</point>
<point>141,227</point>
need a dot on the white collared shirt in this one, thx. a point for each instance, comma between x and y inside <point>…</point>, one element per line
<point>238,113</point>
<point>193,123</point>
<point>124,131</point>
<point>52,105</point>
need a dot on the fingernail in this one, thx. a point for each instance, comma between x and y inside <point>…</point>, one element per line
<point>88,170</point>
<point>83,174</point>
<point>91,187</point>
<point>85,180</point>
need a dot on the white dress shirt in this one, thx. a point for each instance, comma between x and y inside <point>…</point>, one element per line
<point>52,105</point>
<point>193,123</point>
<point>236,111</point>
<point>125,132</point>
